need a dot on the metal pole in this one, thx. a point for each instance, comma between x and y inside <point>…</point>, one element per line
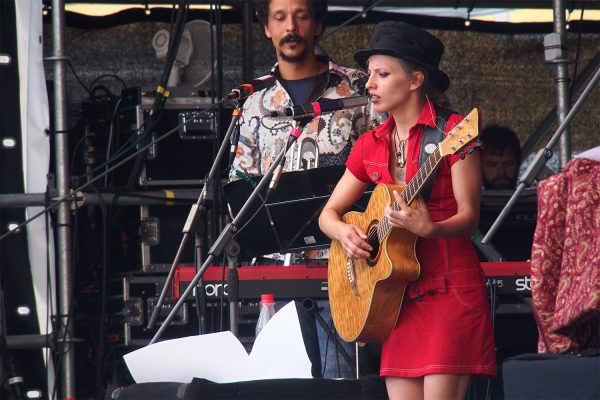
<point>63,225</point>
<point>562,80</point>
<point>247,32</point>
<point>538,133</point>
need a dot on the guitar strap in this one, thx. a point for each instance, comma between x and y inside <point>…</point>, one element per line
<point>431,137</point>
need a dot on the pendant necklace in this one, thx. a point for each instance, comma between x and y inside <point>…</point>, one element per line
<point>400,150</point>
<point>400,156</point>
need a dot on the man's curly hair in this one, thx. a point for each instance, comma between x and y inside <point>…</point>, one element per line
<point>318,9</point>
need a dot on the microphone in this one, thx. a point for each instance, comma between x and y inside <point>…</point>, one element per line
<point>294,135</point>
<point>235,138</point>
<point>246,89</point>
<point>319,107</point>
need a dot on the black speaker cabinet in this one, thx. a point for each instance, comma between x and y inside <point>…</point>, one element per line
<point>552,376</point>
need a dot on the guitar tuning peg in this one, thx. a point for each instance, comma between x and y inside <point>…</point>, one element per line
<point>470,150</point>
<point>462,156</point>
<point>477,143</point>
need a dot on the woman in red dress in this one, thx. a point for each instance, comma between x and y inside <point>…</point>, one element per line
<point>444,334</point>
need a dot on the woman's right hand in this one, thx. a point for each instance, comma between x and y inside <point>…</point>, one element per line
<point>353,241</point>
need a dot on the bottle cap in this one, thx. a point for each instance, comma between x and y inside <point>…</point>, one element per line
<point>267,298</point>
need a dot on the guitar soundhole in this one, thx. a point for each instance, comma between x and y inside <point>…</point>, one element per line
<point>374,242</point>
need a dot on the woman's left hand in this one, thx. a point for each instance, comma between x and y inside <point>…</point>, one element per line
<point>416,220</point>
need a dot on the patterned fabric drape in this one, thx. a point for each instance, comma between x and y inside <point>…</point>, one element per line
<point>565,262</point>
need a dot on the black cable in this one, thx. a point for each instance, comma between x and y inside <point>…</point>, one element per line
<point>74,153</point>
<point>356,16</point>
<point>49,296</point>
<point>110,134</point>
<point>175,40</point>
<point>120,152</point>
<point>160,99</point>
<point>217,87</point>
<point>112,76</point>
<point>103,299</point>
<point>87,89</point>
<point>108,94</point>
<point>262,204</point>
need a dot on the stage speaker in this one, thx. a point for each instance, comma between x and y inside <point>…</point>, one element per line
<point>309,389</point>
<point>552,376</point>
<point>184,157</point>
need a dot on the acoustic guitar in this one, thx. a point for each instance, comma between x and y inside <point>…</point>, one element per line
<point>366,295</point>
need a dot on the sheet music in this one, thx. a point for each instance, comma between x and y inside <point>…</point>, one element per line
<point>278,353</point>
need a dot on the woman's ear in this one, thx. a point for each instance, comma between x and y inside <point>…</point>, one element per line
<point>417,80</point>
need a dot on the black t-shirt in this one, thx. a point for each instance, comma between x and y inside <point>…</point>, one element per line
<point>299,89</point>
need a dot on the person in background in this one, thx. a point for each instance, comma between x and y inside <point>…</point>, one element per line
<point>443,334</point>
<point>501,157</point>
<point>302,76</point>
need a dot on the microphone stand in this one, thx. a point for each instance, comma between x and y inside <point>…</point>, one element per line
<point>227,235</point>
<point>541,158</point>
<point>192,221</point>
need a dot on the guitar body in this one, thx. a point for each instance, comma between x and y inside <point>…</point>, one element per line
<point>365,306</point>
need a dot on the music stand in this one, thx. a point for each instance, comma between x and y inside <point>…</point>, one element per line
<point>288,221</point>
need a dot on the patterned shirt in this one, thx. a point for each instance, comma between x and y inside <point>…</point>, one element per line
<point>262,138</point>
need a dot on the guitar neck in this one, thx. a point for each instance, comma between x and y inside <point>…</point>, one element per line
<point>460,136</point>
<point>414,187</point>
<point>423,175</point>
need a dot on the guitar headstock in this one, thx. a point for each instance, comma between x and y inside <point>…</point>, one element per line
<point>463,133</point>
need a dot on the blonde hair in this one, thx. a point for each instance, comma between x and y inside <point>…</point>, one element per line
<point>429,90</point>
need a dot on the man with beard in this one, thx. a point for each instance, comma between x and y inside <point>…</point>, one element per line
<point>501,157</point>
<point>302,76</point>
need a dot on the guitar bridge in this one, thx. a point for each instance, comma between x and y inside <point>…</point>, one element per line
<point>351,276</point>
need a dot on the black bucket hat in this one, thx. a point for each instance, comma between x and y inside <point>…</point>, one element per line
<point>402,40</point>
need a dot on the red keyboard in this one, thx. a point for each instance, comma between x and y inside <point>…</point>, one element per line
<point>509,277</point>
<point>301,281</point>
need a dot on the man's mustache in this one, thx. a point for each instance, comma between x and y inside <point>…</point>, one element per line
<point>292,37</point>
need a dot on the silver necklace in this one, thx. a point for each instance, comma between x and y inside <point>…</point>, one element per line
<point>400,150</point>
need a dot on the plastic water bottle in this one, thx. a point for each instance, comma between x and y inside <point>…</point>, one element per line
<point>266,311</point>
